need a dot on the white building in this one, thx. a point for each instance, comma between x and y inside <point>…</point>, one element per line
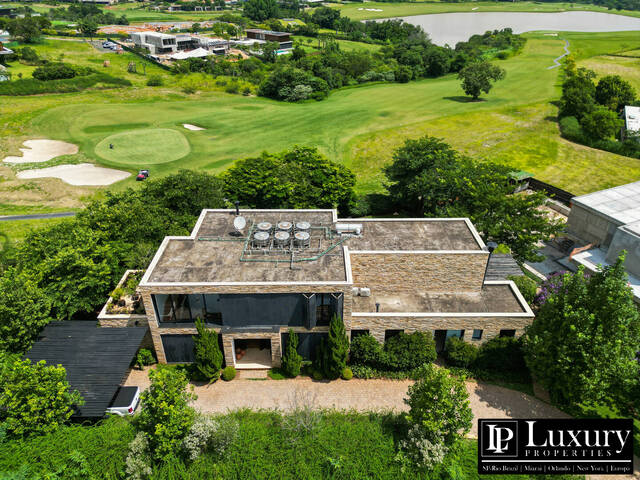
<point>631,120</point>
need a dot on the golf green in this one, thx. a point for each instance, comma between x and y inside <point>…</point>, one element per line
<point>144,146</point>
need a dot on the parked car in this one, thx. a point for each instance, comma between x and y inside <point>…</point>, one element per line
<point>142,175</point>
<point>126,401</point>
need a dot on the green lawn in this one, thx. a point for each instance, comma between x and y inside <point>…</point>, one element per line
<point>357,11</point>
<point>16,230</point>
<point>144,145</point>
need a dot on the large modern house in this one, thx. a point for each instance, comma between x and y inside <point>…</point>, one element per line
<point>253,274</point>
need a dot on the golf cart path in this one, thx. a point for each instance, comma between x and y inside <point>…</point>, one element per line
<point>36,216</point>
<point>556,61</point>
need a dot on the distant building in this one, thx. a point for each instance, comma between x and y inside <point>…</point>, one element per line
<point>7,12</point>
<point>631,121</point>
<point>165,44</point>
<point>609,220</point>
<point>157,43</point>
<point>282,38</point>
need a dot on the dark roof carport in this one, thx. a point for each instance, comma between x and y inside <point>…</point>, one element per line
<point>96,359</point>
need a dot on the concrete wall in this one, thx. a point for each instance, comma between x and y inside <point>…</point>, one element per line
<point>590,227</point>
<point>408,272</point>
<point>625,239</point>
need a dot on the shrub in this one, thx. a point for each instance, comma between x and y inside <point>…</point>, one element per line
<point>365,350</point>
<point>117,294</point>
<point>232,87</point>
<point>166,416</point>
<point>31,86</point>
<point>35,399</point>
<point>188,89</point>
<point>144,357</point>
<point>208,357</point>
<point>406,352</point>
<point>336,349</point>
<point>527,286</point>
<point>155,81</point>
<point>571,129</point>
<point>347,374</point>
<point>53,71</point>
<point>291,360</point>
<point>209,434</point>
<point>276,374</point>
<point>501,353</point>
<point>460,353</point>
<point>246,91</point>
<point>229,373</point>
<point>138,463</point>
<point>317,375</point>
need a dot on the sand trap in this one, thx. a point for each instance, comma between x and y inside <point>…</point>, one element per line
<point>43,150</point>
<point>188,126</point>
<point>81,174</point>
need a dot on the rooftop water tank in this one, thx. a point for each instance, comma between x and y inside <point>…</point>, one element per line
<point>281,239</point>
<point>349,228</point>
<point>302,239</point>
<point>261,239</point>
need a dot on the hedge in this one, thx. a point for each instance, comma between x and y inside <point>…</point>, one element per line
<point>31,86</point>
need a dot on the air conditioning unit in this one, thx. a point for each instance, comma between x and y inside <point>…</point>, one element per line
<point>349,228</point>
<point>355,291</point>
<point>365,292</point>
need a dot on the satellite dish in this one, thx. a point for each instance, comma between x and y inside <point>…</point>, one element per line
<point>239,223</point>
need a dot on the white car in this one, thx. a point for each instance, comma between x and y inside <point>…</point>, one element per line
<point>125,402</point>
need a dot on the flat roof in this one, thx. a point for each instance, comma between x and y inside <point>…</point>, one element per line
<point>632,118</point>
<point>96,359</point>
<point>620,204</point>
<point>493,298</point>
<point>216,253</point>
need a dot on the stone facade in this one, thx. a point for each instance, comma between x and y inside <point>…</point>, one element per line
<point>490,325</point>
<point>408,272</point>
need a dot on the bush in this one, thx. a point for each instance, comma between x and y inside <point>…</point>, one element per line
<point>208,434</point>
<point>155,81</point>
<point>138,460</point>
<point>527,286</point>
<point>336,349</point>
<point>317,375</point>
<point>276,374</point>
<point>291,360</point>
<point>347,374</point>
<point>501,353</point>
<point>165,416</point>
<point>208,357</point>
<point>117,294</point>
<point>31,86</point>
<point>144,357</point>
<point>406,352</point>
<point>459,353</point>
<point>229,373</point>
<point>366,350</point>
<point>34,399</point>
<point>232,87</point>
<point>53,71</point>
<point>571,129</point>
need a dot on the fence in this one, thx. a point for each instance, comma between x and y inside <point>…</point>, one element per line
<point>554,192</point>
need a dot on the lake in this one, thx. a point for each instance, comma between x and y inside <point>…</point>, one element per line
<point>451,28</point>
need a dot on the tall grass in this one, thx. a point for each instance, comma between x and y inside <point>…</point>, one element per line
<point>31,86</point>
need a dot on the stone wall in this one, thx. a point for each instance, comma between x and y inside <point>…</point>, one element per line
<point>490,326</point>
<point>424,272</point>
<point>590,227</point>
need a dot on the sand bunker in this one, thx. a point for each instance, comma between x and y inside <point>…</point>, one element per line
<point>81,174</point>
<point>42,150</point>
<point>188,126</point>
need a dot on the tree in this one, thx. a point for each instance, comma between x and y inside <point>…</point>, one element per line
<point>208,357</point>
<point>601,124</point>
<point>336,349</point>
<point>88,27</point>
<point>439,415</point>
<point>325,17</point>
<point>24,311</point>
<point>428,178</point>
<point>27,29</point>
<point>35,399</point>
<point>478,77</point>
<point>614,93</point>
<point>298,178</point>
<point>165,416</point>
<point>260,10</point>
<point>578,92</point>
<point>269,52</point>
<point>291,360</point>
<point>53,71</point>
<point>582,344</point>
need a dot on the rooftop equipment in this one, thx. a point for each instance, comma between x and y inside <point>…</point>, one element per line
<point>285,226</point>
<point>264,227</point>
<point>365,292</point>
<point>239,223</point>
<point>302,239</point>
<point>349,228</point>
<point>303,226</point>
<point>282,238</point>
<point>261,239</point>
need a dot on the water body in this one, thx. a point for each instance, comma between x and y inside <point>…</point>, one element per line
<point>451,28</point>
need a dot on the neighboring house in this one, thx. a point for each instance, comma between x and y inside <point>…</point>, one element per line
<point>631,122</point>
<point>282,38</point>
<point>609,220</point>
<point>282,269</point>
<point>157,43</point>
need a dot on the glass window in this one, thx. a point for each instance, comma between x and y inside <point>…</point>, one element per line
<point>181,310</point>
<point>477,335</point>
<point>357,333</point>
<point>196,304</point>
<point>507,333</point>
<point>164,308</point>
<point>391,333</point>
<point>455,333</point>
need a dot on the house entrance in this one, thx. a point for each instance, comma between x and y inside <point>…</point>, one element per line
<point>252,353</point>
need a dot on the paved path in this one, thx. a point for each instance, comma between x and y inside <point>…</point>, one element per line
<point>36,216</point>
<point>556,61</point>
